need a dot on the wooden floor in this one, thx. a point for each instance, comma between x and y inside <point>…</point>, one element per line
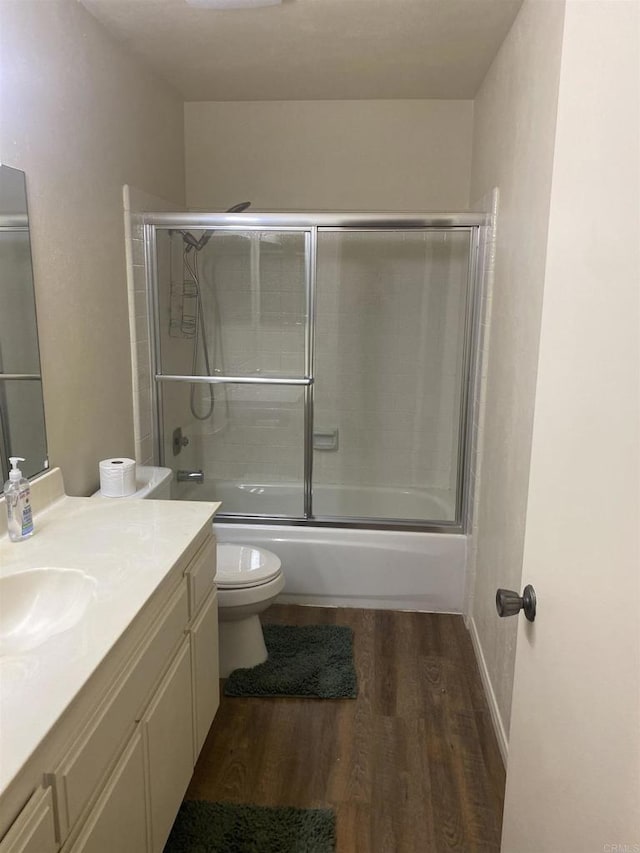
<point>412,764</point>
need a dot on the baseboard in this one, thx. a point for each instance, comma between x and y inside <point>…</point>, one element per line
<point>496,717</point>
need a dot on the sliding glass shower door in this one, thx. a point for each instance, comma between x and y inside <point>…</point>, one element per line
<point>314,368</point>
<point>390,347</point>
<point>232,363</point>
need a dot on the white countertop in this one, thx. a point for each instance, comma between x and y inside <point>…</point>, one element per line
<point>129,547</point>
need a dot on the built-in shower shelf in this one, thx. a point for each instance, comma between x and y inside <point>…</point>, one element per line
<point>326,439</point>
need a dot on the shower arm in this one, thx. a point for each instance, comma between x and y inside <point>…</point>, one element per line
<point>191,241</point>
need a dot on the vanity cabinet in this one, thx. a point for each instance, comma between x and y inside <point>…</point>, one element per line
<point>119,781</point>
<point>204,670</point>
<point>80,772</point>
<point>168,737</point>
<point>118,821</point>
<point>34,830</point>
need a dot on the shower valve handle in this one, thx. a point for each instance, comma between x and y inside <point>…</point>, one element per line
<point>509,603</point>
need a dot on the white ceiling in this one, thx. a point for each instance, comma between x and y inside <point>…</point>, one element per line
<point>315,49</point>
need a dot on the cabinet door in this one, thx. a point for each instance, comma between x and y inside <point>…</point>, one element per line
<point>34,829</point>
<point>168,736</point>
<point>118,821</point>
<point>108,730</point>
<point>205,670</point>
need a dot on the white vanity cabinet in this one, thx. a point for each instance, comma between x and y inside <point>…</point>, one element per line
<point>205,670</point>
<point>118,821</point>
<point>34,830</point>
<point>113,722</point>
<point>203,608</point>
<point>129,750</point>
<point>168,737</point>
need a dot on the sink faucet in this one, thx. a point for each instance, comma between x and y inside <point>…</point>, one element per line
<point>191,476</point>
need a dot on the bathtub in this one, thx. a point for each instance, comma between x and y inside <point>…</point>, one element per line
<point>332,566</point>
<point>269,499</point>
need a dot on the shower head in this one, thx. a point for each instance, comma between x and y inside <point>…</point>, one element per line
<point>191,241</point>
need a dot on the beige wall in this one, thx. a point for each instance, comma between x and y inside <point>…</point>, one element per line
<point>329,155</point>
<point>82,118</point>
<point>514,132</point>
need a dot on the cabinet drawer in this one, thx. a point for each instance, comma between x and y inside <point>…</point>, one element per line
<point>34,829</point>
<point>98,745</point>
<point>200,574</point>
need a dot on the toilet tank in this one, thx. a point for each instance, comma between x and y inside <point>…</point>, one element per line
<point>152,483</point>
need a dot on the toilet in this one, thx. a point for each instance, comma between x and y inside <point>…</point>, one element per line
<point>248,581</point>
<point>152,483</point>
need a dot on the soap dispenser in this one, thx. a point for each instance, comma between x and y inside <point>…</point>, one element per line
<point>17,492</point>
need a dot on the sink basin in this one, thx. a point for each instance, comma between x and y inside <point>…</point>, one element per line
<point>38,604</point>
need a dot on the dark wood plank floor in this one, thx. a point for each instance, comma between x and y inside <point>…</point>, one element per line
<point>411,765</point>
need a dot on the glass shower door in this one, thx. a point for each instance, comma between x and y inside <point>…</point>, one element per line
<point>232,358</point>
<point>392,309</point>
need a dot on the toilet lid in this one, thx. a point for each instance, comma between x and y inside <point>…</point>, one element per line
<point>244,565</point>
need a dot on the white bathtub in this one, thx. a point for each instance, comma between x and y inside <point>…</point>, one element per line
<point>269,499</point>
<point>353,568</point>
<point>362,568</point>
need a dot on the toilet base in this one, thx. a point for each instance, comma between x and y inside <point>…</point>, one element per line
<point>241,644</point>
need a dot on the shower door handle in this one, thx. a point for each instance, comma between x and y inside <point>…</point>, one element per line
<point>509,603</point>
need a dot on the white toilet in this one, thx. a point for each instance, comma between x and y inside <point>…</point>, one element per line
<point>152,483</point>
<point>248,581</point>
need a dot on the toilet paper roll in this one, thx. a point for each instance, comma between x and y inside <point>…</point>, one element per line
<point>117,477</point>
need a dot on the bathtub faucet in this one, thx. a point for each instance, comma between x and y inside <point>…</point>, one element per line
<point>191,476</point>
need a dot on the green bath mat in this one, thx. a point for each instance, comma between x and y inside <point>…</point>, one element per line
<point>304,660</point>
<point>202,827</point>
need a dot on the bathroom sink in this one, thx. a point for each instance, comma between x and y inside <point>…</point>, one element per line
<point>37,604</point>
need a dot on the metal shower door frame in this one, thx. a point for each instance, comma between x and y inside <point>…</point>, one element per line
<point>310,224</point>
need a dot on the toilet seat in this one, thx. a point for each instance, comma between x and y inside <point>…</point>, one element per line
<point>244,566</point>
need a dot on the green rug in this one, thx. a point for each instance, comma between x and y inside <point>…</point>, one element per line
<point>304,660</point>
<point>203,827</point>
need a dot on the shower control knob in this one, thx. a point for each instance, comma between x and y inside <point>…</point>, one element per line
<point>509,603</point>
<point>178,440</point>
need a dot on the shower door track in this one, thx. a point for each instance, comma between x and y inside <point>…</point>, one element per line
<point>309,224</point>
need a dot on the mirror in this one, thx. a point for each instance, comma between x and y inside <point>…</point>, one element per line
<point>22,429</point>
